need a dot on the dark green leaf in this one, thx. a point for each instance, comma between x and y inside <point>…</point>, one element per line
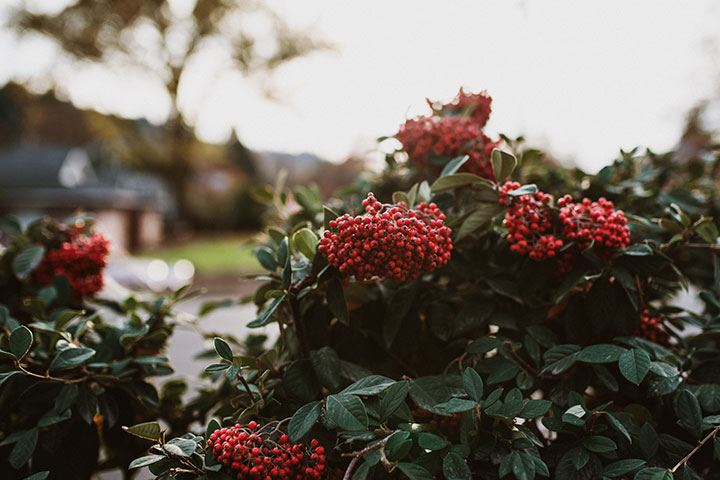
<point>347,412</point>
<point>622,467</point>
<point>20,341</point>
<point>473,384</point>
<point>223,349</point>
<point>336,301</point>
<point>27,260</point>
<point>455,467</point>
<point>414,471</point>
<point>599,444</point>
<point>689,413</point>
<point>368,386</point>
<point>503,164</point>
<point>634,365</point>
<point>145,461</point>
<point>71,358</point>
<point>266,315</point>
<point>147,430</point>
<point>303,420</point>
<point>601,353</point>
<point>392,398</point>
<point>24,448</point>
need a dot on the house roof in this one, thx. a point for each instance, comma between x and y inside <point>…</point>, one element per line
<point>40,177</point>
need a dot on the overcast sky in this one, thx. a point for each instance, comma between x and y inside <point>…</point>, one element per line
<point>578,77</point>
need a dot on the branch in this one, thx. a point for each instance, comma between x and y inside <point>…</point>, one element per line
<point>357,455</point>
<point>695,450</point>
<point>713,247</point>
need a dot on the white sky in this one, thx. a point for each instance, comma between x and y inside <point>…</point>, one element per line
<point>578,77</point>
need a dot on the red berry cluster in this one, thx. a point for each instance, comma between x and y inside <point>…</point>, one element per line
<point>252,452</point>
<point>81,260</point>
<point>475,105</point>
<point>529,223</point>
<point>454,130</point>
<point>652,328</point>
<point>388,241</point>
<point>587,221</point>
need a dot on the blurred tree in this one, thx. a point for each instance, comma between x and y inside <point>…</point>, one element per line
<point>164,37</point>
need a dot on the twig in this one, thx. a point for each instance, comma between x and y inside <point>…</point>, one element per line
<point>67,381</point>
<point>707,246</point>
<point>357,455</point>
<point>695,450</point>
<point>519,360</point>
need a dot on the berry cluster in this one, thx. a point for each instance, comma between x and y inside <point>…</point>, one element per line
<point>454,130</point>
<point>586,222</point>
<point>529,223</point>
<point>651,328</point>
<point>475,105</point>
<point>81,260</point>
<point>388,241</point>
<point>253,453</point>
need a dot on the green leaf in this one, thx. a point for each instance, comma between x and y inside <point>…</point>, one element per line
<point>480,217</point>
<point>27,260</point>
<point>456,405</point>
<point>473,384</point>
<point>147,430</point>
<point>20,341</point>
<point>392,398</point>
<point>368,386</point>
<point>145,461</point>
<point>305,242</point>
<point>622,467</point>
<point>398,446</point>
<point>303,420</point>
<point>634,365</point>
<point>217,367</point>
<point>689,413</point>
<point>601,353</point>
<point>503,164</point>
<point>455,467</point>
<point>432,442</point>
<point>535,408</point>
<point>5,376</point>
<point>223,349</point>
<point>326,365</point>
<point>71,358</point>
<point>599,444</point>
<point>266,258</point>
<point>457,180</point>
<point>24,448</point>
<point>336,301</point>
<point>347,412</point>
<point>654,473</point>
<point>454,165</point>
<point>414,471</point>
<point>618,426</point>
<point>663,369</point>
<point>183,447</point>
<point>38,476</point>
<point>266,315</point>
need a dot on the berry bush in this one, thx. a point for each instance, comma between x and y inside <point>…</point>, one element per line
<point>484,313</point>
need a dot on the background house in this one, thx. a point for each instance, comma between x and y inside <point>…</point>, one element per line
<point>38,180</point>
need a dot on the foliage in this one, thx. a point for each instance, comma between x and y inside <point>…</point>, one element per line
<point>73,368</point>
<point>496,365</point>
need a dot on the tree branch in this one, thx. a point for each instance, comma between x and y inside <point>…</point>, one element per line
<point>357,455</point>
<point>695,450</point>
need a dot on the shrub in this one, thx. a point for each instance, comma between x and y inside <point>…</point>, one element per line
<point>552,344</point>
<point>73,368</point>
<point>528,327</point>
